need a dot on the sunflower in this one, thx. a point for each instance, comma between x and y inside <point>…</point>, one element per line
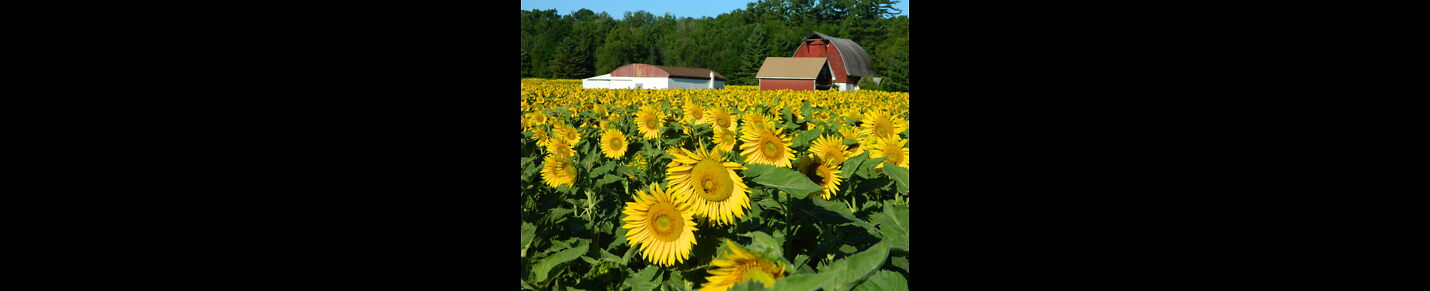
<point>893,148</point>
<point>613,143</point>
<point>709,184</point>
<point>754,120</point>
<point>648,121</point>
<point>560,148</point>
<point>562,131</point>
<point>539,135</point>
<point>829,148</point>
<point>879,124</point>
<point>766,146</point>
<point>661,225</point>
<point>737,265</point>
<point>849,132</point>
<point>720,118</point>
<point>695,112</point>
<point>538,118</point>
<point>725,139</point>
<point>639,163</point>
<point>557,171</point>
<point>822,172</point>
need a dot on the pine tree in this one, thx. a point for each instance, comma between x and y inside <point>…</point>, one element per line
<point>753,57</point>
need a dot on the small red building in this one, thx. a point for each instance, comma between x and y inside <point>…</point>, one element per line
<point>794,74</point>
<point>847,60</point>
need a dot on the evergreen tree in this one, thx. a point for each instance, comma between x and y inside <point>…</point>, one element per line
<point>569,60</point>
<point>753,58</point>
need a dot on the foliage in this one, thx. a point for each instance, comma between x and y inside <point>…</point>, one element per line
<point>571,236</point>
<point>733,43</point>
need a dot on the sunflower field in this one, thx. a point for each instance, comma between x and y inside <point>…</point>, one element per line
<point>724,189</point>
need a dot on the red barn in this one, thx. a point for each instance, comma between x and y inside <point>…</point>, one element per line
<point>847,60</point>
<point>794,74</point>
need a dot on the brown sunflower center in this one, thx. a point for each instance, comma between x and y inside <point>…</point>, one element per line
<point>615,143</point>
<point>811,171</point>
<point>770,149</point>
<point>650,122</point>
<point>712,180</point>
<point>665,221</point>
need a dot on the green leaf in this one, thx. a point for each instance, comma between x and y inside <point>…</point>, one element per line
<point>644,280</point>
<point>675,282</point>
<point>756,170</point>
<point>808,281</point>
<point>608,256</point>
<point>851,165</point>
<point>866,169</point>
<point>619,238</point>
<point>844,215</point>
<point>770,204</point>
<point>540,269</point>
<point>894,225</point>
<point>799,260</point>
<point>607,179</point>
<point>527,232</point>
<point>788,117</point>
<point>805,110</point>
<point>792,182</point>
<point>884,280</point>
<point>899,175</point>
<point>764,244</point>
<point>804,137</point>
<point>604,168</point>
<point>902,262</point>
<point>855,268</point>
<point>751,285</point>
<point>756,194</point>
<point>554,216</point>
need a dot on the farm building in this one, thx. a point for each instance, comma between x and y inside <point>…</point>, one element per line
<point>847,60</point>
<point>643,76</point>
<point>794,74</point>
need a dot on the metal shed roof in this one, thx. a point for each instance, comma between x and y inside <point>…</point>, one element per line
<point>791,68</point>
<point>856,61</point>
<point>648,70</point>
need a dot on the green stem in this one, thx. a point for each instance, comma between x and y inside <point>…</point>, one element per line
<point>787,230</point>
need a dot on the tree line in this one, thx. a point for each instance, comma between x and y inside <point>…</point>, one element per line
<point>584,44</point>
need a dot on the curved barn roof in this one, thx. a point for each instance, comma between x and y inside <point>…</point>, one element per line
<point>647,70</point>
<point>856,61</point>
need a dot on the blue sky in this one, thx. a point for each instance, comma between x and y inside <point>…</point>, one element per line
<point>679,8</point>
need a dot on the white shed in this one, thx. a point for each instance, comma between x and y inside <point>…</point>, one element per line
<point>643,76</point>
